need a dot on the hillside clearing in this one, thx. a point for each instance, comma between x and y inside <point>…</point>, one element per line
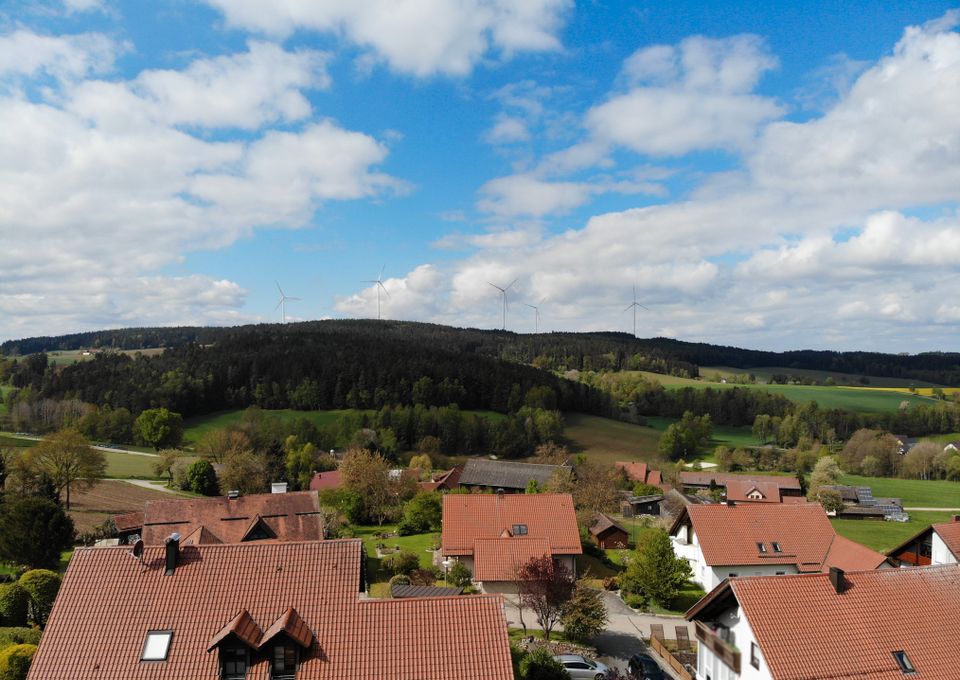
<point>765,373</point>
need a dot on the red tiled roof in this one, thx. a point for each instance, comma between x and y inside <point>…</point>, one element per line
<point>243,627</point>
<point>949,532</point>
<point>291,516</point>
<point>291,624</point>
<point>636,472</point>
<point>326,480</point>
<point>109,600</point>
<point>806,630</point>
<point>721,479</point>
<point>728,535</point>
<point>129,521</point>
<point>499,559</point>
<point>468,517</point>
<point>740,490</point>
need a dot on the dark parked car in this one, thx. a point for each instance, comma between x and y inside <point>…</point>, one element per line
<point>643,667</point>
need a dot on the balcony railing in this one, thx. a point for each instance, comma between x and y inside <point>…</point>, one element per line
<point>722,649</point>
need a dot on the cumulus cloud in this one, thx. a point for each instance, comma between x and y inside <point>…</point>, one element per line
<point>25,53</point>
<point>104,183</point>
<point>529,195</point>
<point>419,37</point>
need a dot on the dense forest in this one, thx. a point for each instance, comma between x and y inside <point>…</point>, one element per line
<point>553,351</point>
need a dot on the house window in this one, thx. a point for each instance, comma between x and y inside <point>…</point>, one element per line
<point>776,547</point>
<point>906,666</point>
<point>284,665</point>
<point>233,662</point>
<point>157,645</point>
<point>732,574</point>
<point>781,573</point>
<point>519,529</point>
<point>754,655</point>
<point>761,547</point>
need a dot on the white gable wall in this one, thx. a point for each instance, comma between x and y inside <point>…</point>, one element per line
<point>940,553</point>
<point>710,667</point>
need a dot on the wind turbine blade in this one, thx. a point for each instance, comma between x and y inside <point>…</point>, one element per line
<point>529,305</point>
<point>629,307</point>
<point>542,300</point>
<point>496,286</point>
<point>292,298</point>
<point>511,284</point>
<point>279,288</point>
<point>641,306</point>
<point>380,278</point>
<point>370,281</point>
<point>279,304</point>
<point>384,288</point>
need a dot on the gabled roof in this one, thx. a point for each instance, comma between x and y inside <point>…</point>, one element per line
<point>729,535</point>
<point>949,533</point>
<point>292,626</point>
<point>806,630</point>
<point>130,521</point>
<point>504,474</point>
<point>92,637</point>
<point>741,490</point>
<point>291,516</point>
<point>499,559</point>
<point>721,478</point>
<point>243,627</point>
<point>444,481</point>
<point>602,523</point>
<point>326,480</point>
<point>469,517</point>
<point>636,472</point>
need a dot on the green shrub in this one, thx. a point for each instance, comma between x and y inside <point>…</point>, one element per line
<point>423,577</point>
<point>14,600</point>
<point>459,575</point>
<point>15,661</point>
<point>540,665</point>
<point>399,580</point>
<point>19,636</point>
<point>42,586</point>
<point>402,562</point>
<point>202,479</point>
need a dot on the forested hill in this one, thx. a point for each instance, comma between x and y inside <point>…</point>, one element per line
<point>554,351</point>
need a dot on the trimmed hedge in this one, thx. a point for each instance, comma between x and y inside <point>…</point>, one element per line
<point>14,600</point>
<point>15,661</point>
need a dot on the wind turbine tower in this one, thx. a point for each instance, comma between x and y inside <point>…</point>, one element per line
<point>536,314</point>
<point>282,305</point>
<point>503,295</point>
<point>378,282</point>
<point>633,305</point>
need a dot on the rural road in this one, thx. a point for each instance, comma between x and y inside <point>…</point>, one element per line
<point>115,449</point>
<point>933,509</point>
<point>149,484</point>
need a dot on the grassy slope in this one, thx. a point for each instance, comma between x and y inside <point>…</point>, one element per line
<point>764,374</point>
<point>847,398</point>
<point>884,536</point>
<point>915,493</point>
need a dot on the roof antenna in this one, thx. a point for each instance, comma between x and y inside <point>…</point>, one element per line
<point>138,550</point>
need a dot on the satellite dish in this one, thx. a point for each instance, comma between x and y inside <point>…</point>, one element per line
<point>138,549</point>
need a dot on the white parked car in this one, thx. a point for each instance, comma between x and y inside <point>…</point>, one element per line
<point>582,668</point>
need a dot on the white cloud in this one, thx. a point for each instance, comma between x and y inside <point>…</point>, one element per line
<point>419,37</point>
<point>529,195</point>
<point>25,53</point>
<point>507,130</point>
<point>84,5</point>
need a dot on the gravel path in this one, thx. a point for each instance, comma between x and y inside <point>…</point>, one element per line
<point>150,484</point>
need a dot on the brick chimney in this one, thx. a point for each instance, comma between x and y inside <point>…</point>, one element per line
<point>172,545</point>
<point>836,578</point>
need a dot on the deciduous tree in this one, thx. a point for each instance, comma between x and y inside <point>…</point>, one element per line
<point>584,615</point>
<point>33,533</point>
<point>544,587</point>
<point>67,458</point>
<point>655,571</point>
<point>159,428</point>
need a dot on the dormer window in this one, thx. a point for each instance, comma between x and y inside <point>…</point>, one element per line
<point>519,529</point>
<point>776,547</point>
<point>234,660</point>
<point>157,645</point>
<point>283,666</point>
<point>761,547</point>
<point>903,661</point>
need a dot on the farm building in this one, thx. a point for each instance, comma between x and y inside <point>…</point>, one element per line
<point>640,473</point>
<point>634,506</point>
<point>277,610</point>
<point>480,474</point>
<point>607,533</point>
<point>744,488</point>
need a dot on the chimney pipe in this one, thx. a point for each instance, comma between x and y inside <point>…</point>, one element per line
<point>172,545</point>
<point>233,494</point>
<point>836,578</point>
<point>956,518</point>
<point>731,503</point>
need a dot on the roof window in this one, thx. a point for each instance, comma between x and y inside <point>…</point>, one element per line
<point>519,529</point>
<point>761,547</point>
<point>157,645</point>
<point>906,666</point>
<point>776,547</point>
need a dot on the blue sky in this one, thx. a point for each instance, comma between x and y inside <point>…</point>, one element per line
<point>771,175</point>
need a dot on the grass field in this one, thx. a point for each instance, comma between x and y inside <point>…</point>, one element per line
<point>764,374</point>
<point>884,536</point>
<point>67,357</point>
<point>860,400</point>
<point>915,493</point>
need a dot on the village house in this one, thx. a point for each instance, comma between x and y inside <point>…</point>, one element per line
<point>641,473</point>
<point>882,625</point>
<point>443,481</point>
<point>745,488</point>
<point>730,539</point>
<point>288,611</point>
<point>494,535</point>
<point>481,474</point>
<point>292,516</point>
<point>937,544</point>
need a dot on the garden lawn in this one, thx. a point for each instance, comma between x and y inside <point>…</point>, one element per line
<point>884,536</point>
<point>689,595</point>
<point>418,543</point>
<point>915,493</point>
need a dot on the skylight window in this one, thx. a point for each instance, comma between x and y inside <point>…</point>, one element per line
<point>776,547</point>
<point>761,547</point>
<point>519,529</point>
<point>906,666</point>
<point>157,645</point>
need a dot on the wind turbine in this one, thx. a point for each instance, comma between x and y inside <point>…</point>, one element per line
<point>503,294</point>
<point>379,284</point>
<point>282,305</point>
<point>633,305</point>
<point>536,314</point>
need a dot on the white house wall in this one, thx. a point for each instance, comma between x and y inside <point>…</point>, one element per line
<point>710,667</point>
<point>710,577</point>
<point>940,553</point>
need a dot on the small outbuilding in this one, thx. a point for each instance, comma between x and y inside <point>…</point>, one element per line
<point>634,506</point>
<point>608,534</point>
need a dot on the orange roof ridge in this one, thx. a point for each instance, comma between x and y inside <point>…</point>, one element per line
<point>290,623</point>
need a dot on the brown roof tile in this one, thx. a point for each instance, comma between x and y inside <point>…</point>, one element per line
<point>721,479</point>
<point>806,630</point>
<point>499,559</point>
<point>243,627</point>
<point>291,624</point>
<point>602,522</point>
<point>288,516</point>
<point>129,521</point>
<point>728,535</point>
<point>109,600</point>
<point>468,517</point>
<point>636,472</point>
<point>741,489</point>
<point>326,480</point>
